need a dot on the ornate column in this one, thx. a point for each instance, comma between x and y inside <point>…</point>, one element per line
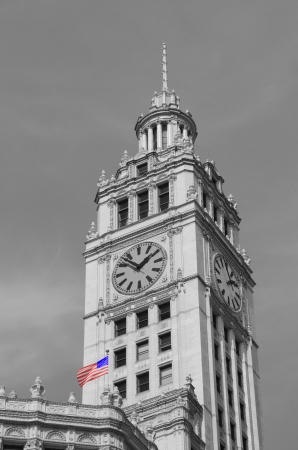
<point>140,140</point>
<point>145,147</point>
<point>169,133</point>
<point>235,389</point>
<point>159,136</point>
<point>171,179</point>
<point>150,139</point>
<point>131,197</point>
<point>33,444</point>
<point>151,188</point>
<point>111,204</point>
<point>108,277</point>
<point>210,206</point>
<point>232,230</point>
<point>200,192</point>
<point>221,213</point>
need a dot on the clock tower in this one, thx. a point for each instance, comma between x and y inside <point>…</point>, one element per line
<point>169,293</point>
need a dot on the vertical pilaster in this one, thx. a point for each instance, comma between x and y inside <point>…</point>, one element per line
<point>172,179</point>
<point>238,442</point>
<point>152,188</point>
<point>169,133</point>
<point>221,218</point>
<point>210,205</point>
<point>185,129</point>
<point>247,397</point>
<point>211,369</point>
<point>225,381</point>
<point>112,205</point>
<point>232,232</point>
<point>159,136</point>
<point>200,192</point>
<point>130,356</point>
<point>150,139</point>
<point>140,140</point>
<point>145,146</point>
<point>251,383</point>
<point>131,204</point>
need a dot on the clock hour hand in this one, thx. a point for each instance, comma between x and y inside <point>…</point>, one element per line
<point>128,261</point>
<point>145,261</point>
<point>131,264</point>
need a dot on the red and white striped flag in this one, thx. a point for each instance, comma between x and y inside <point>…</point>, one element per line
<point>93,371</point>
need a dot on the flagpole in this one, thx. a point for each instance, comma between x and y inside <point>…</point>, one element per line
<point>107,354</point>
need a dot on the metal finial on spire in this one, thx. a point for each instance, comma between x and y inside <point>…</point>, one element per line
<point>164,68</point>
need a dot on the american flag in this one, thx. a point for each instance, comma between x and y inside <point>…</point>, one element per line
<point>93,371</point>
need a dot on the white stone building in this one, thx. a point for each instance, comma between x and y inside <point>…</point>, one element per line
<point>169,291</point>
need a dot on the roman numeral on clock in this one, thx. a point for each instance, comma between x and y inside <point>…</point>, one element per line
<point>149,278</point>
<point>139,250</point>
<point>155,269</point>
<point>156,251</point>
<point>129,286</point>
<point>122,265</point>
<point>157,260</point>
<point>128,255</point>
<point>139,284</point>
<point>120,274</point>
<point>122,282</point>
<point>148,249</point>
<point>218,280</point>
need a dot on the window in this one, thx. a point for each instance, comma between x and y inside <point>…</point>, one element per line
<point>143,382</point>
<point>244,443</point>
<point>164,136</point>
<point>142,319</point>
<point>165,342</point>
<point>215,211</point>
<point>218,386</point>
<point>120,358</point>
<point>163,195</point>
<point>240,378</point>
<point>242,411</point>
<point>230,397</point>
<point>204,200</point>
<point>154,138</point>
<point>216,351</point>
<point>226,227</point>
<point>228,365</point>
<point>143,205</point>
<point>238,348</point>
<point>220,417</point>
<point>226,335</point>
<point>121,385</point>
<point>233,430</point>
<point>165,375</point>
<point>143,350</point>
<point>122,213</point>
<point>142,169</point>
<point>120,327</point>
<point>214,321</point>
<point>164,311</point>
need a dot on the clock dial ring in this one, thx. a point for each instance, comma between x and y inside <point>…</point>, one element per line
<point>227,282</point>
<point>139,268</point>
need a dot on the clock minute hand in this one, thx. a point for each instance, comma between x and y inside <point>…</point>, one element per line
<point>137,266</point>
<point>145,261</point>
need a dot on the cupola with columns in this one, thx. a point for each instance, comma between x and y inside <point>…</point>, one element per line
<point>165,122</point>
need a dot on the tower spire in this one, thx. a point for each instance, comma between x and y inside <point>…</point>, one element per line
<point>164,68</point>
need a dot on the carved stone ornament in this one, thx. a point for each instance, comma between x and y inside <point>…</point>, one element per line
<point>86,439</point>
<point>106,396</point>
<point>2,390</point>
<point>33,444</point>
<point>13,394</point>
<point>191,193</point>
<point>15,431</point>
<point>72,398</point>
<point>117,399</point>
<point>37,390</point>
<point>55,436</point>
<point>92,233</point>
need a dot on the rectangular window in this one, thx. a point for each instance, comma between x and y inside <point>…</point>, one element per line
<point>121,385</point>
<point>143,204</point>
<point>120,358</point>
<point>214,321</point>
<point>120,327</point>
<point>238,348</point>
<point>226,227</point>
<point>215,210</point>
<point>163,195</point>
<point>142,169</point>
<point>142,319</point>
<point>164,136</point>
<point>230,397</point>
<point>226,335</point>
<point>220,417</point>
<point>244,443</point>
<point>165,342</point>
<point>204,200</point>
<point>143,350</point>
<point>165,375</point>
<point>216,351</point>
<point>122,213</point>
<point>240,378</point>
<point>154,138</point>
<point>143,382</point>
<point>164,311</point>
<point>233,430</point>
<point>242,411</point>
<point>228,365</point>
<point>218,384</point>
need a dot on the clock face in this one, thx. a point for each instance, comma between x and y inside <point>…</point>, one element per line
<point>139,268</point>
<point>227,283</point>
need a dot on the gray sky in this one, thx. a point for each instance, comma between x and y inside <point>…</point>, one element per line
<point>74,77</point>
